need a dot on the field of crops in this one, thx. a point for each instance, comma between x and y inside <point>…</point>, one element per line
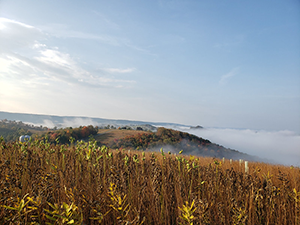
<point>42,183</point>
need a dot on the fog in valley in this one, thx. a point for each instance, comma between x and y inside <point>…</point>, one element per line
<point>279,147</point>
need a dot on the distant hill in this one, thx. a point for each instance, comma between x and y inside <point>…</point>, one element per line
<point>74,121</point>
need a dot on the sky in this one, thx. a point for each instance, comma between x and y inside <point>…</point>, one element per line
<point>226,64</point>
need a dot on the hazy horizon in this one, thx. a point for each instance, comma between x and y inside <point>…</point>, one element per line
<point>78,120</point>
<point>271,146</point>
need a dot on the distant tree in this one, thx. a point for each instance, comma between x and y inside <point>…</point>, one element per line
<point>85,132</point>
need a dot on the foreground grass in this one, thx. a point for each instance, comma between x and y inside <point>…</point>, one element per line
<point>84,184</point>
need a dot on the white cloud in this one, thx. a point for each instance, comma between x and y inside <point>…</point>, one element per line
<point>38,45</point>
<point>116,70</point>
<point>54,57</point>
<point>60,65</point>
<point>224,78</point>
<point>4,21</point>
<point>37,76</point>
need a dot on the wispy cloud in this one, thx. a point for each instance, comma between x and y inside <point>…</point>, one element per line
<point>104,38</point>
<point>16,35</point>
<point>224,78</point>
<point>106,20</point>
<point>63,31</point>
<point>54,57</point>
<point>26,58</point>
<point>4,21</point>
<point>117,70</point>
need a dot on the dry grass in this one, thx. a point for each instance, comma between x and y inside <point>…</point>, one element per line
<point>107,136</point>
<point>85,184</point>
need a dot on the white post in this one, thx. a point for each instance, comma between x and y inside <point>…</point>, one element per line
<point>230,161</point>
<point>241,161</point>
<point>246,167</point>
<point>223,160</point>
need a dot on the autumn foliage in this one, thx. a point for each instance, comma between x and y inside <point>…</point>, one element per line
<point>63,136</point>
<point>177,140</point>
<point>163,136</point>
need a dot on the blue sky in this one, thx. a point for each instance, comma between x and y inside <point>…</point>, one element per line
<point>232,64</point>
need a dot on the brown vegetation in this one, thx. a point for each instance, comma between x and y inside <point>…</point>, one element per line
<point>43,183</point>
<point>108,136</point>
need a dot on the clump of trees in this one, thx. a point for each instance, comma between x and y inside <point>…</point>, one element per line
<point>177,140</point>
<point>12,130</point>
<point>64,136</point>
<point>163,136</point>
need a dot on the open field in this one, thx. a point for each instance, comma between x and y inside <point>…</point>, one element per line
<point>42,183</point>
<point>107,136</point>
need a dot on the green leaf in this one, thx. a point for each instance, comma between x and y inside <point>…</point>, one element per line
<point>50,217</point>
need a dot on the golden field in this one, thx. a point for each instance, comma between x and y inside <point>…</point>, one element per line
<point>43,183</point>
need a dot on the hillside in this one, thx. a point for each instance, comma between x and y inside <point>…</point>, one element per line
<point>109,136</point>
<point>12,130</point>
<point>172,141</point>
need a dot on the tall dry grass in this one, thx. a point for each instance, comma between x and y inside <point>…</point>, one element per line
<point>85,184</point>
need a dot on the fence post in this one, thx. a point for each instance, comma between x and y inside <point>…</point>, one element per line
<point>246,167</point>
<point>241,161</point>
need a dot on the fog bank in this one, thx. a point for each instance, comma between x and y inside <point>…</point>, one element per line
<point>282,147</point>
<point>76,122</point>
